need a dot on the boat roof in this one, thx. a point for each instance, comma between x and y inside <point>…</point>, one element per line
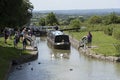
<point>57,32</point>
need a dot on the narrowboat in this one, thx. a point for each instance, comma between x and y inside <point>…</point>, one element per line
<point>58,40</point>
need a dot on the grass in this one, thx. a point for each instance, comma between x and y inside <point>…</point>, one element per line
<point>8,53</point>
<point>104,43</point>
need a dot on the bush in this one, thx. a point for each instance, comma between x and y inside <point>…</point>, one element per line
<point>108,30</point>
<point>117,47</point>
<point>75,24</point>
<point>116,33</point>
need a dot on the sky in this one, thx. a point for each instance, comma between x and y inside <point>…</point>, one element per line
<point>74,4</point>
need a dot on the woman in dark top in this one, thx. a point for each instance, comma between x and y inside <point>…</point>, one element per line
<point>6,34</point>
<point>89,37</point>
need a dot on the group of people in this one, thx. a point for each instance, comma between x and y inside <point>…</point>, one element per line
<point>86,41</point>
<point>24,36</point>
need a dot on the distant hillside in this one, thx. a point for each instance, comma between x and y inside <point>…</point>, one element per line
<point>82,12</point>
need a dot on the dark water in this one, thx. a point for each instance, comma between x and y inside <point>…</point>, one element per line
<point>64,65</point>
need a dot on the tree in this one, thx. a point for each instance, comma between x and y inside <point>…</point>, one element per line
<point>15,12</point>
<point>95,20</point>
<point>75,24</point>
<point>70,18</point>
<point>42,22</point>
<point>51,19</point>
<point>64,22</point>
<point>111,19</point>
<point>25,12</point>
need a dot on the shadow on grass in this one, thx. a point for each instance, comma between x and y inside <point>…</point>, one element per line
<point>8,53</point>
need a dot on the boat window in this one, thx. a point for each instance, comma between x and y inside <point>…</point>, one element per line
<point>62,38</point>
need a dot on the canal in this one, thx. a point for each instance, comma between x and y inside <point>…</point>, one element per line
<point>64,65</point>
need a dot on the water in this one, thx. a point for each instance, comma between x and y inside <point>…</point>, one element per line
<point>64,65</point>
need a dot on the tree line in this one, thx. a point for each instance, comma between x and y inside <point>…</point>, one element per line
<point>76,22</point>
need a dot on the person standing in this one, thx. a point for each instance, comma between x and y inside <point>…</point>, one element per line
<point>89,37</point>
<point>6,34</point>
<point>16,39</point>
<point>22,33</point>
<point>24,41</point>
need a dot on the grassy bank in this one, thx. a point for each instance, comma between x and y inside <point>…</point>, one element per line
<point>104,43</point>
<point>8,53</point>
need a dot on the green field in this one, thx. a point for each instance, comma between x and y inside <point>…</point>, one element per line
<point>104,43</point>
